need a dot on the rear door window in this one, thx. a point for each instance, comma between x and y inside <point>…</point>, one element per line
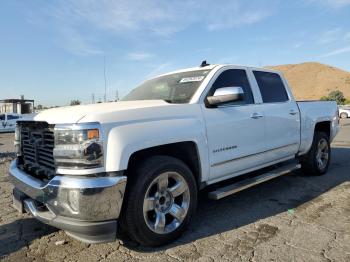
<point>2,117</point>
<point>271,87</point>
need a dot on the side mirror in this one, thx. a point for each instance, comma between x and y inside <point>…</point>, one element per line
<point>226,95</point>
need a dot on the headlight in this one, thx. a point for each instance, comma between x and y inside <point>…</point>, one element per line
<point>78,147</point>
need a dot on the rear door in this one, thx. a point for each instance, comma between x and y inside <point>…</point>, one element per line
<point>235,131</point>
<point>281,113</point>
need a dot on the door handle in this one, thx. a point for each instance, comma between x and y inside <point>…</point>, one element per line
<point>293,112</point>
<point>256,116</point>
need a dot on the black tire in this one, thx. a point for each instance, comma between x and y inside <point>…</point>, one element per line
<point>343,115</point>
<point>309,162</point>
<point>132,217</point>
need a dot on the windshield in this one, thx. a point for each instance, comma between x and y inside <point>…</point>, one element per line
<point>173,88</point>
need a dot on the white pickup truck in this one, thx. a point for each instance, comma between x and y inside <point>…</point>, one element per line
<point>137,165</point>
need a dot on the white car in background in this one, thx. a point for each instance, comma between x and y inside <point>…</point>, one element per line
<point>8,121</point>
<point>344,112</point>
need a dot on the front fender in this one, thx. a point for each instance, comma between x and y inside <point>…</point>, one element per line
<point>124,140</point>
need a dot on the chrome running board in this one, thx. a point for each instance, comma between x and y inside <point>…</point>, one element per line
<point>249,182</point>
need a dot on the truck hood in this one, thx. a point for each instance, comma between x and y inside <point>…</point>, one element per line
<point>95,112</point>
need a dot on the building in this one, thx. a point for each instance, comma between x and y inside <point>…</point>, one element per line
<point>19,106</point>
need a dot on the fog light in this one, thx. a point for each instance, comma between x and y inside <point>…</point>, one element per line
<point>73,199</point>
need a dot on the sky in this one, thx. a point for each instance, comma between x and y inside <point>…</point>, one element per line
<point>55,51</point>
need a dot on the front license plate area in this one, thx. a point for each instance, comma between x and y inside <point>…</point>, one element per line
<point>18,198</point>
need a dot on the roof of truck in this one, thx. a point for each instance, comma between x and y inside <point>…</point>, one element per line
<point>210,67</point>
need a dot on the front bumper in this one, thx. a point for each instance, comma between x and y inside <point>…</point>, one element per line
<point>86,207</point>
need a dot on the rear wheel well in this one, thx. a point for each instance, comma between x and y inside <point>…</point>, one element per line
<point>185,151</point>
<point>324,126</point>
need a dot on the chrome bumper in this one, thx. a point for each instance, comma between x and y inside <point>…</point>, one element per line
<point>69,201</point>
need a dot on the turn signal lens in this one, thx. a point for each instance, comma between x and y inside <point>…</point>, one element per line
<point>93,134</point>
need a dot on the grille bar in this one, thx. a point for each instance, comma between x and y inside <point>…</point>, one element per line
<point>37,143</point>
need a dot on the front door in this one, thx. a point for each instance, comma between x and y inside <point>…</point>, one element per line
<point>235,131</point>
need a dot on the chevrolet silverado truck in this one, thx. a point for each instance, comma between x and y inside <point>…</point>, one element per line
<point>135,167</point>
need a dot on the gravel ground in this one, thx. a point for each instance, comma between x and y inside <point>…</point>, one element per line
<point>291,218</point>
<point>6,146</point>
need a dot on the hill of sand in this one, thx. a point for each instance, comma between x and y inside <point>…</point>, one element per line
<point>311,81</point>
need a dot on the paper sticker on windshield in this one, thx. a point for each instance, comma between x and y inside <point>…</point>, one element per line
<point>192,79</point>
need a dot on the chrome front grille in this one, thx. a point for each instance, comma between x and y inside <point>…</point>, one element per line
<point>37,143</point>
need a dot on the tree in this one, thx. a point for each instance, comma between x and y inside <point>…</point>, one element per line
<point>39,107</point>
<point>336,95</point>
<point>75,102</point>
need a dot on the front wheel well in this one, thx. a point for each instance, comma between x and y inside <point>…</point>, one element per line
<point>185,151</point>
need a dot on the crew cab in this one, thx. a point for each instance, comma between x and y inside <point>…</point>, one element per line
<point>134,168</point>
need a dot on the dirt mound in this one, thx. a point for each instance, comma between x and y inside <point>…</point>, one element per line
<point>313,80</point>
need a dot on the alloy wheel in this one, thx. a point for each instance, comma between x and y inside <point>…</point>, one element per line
<point>322,154</point>
<point>166,202</point>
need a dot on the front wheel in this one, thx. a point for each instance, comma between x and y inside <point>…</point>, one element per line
<point>161,199</point>
<point>317,160</point>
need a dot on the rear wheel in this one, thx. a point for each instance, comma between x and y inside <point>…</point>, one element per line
<point>317,160</point>
<point>343,115</point>
<point>160,201</point>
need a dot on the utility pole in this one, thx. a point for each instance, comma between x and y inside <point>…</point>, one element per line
<point>104,73</point>
<point>93,98</point>
<point>116,95</point>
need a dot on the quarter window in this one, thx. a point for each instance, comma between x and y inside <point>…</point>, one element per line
<point>271,87</point>
<point>234,78</point>
<point>2,117</point>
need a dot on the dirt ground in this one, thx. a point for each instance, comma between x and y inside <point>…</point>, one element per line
<point>291,218</point>
<point>6,144</point>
